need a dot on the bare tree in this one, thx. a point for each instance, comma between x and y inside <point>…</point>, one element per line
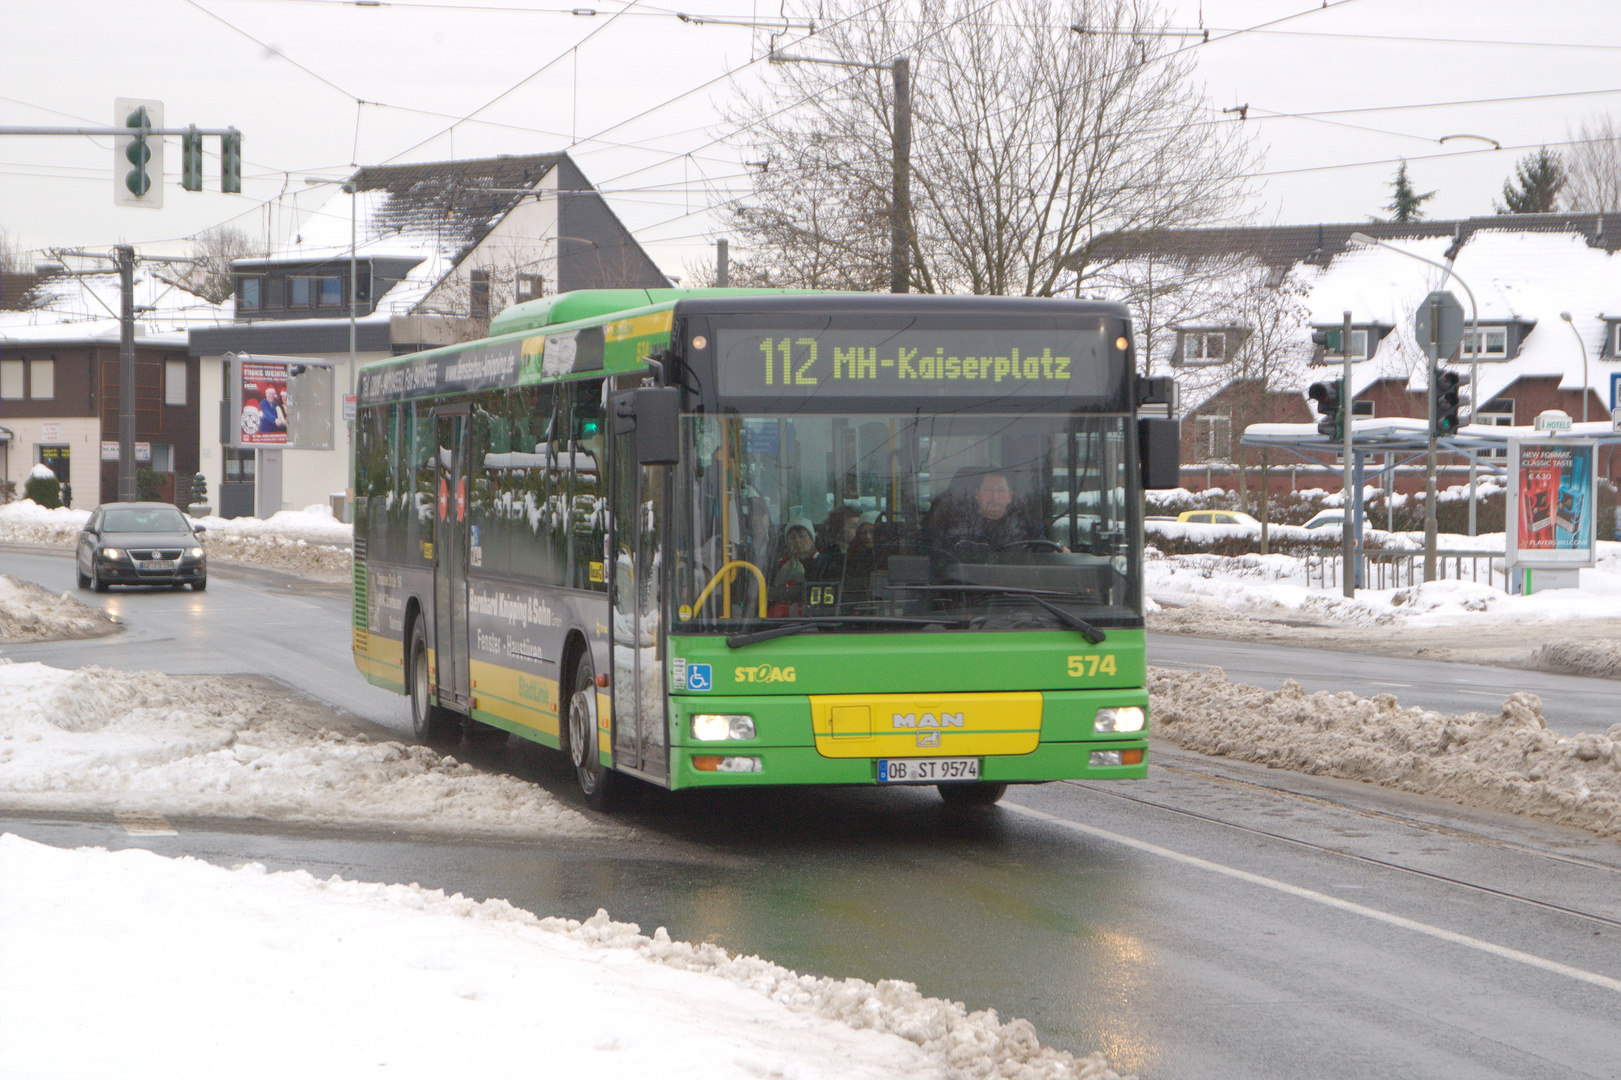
<point>215,249</point>
<point>1031,143</point>
<point>1593,166</point>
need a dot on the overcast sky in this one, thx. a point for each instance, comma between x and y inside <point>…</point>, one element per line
<point>610,89</point>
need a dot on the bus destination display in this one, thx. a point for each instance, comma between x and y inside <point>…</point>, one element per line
<point>917,363</point>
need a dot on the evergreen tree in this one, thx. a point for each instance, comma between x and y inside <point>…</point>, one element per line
<point>1535,183</point>
<point>1405,202</point>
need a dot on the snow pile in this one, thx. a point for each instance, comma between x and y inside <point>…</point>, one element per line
<point>97,740</point>
<point>313,524</point>
<point>318,562</point>
<point>356,970</point>
<point>1509,762</point>
<point>1599,658</point>
<point>26,522</point>
<point>30,613</point>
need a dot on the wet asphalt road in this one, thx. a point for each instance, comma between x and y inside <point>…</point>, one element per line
<point>1216,920</point>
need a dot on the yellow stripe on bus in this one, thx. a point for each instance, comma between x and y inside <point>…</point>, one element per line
<point>524,699</point>
<point>658,322</point>
<point>925,725</point>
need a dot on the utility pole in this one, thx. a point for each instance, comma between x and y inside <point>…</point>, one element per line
<point>1347,526</point>
<point>723,268</point>
<point>901,195</point>
<point>1431,527</point>
<point>125,256</point>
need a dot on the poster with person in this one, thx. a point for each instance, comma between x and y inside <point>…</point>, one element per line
<point>264,404</point>
<point>1551,503</point>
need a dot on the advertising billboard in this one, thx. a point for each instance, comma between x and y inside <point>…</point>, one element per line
<point>1552,503</point>
<point>264,404</point>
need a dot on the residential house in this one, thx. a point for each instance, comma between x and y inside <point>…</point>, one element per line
<point>1526,271</point>
<point>438,248</point>
<point>60,380</point>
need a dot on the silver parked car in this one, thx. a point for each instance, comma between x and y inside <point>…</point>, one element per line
<point>140,544</point>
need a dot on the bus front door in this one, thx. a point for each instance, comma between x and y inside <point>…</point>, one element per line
<point>640,740</point>
<point>450,563</point>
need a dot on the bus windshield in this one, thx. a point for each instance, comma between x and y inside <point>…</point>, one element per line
<point>874,522</point>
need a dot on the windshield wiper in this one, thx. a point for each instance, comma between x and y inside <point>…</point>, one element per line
<point>1092,634</point>
<point>737,641</point>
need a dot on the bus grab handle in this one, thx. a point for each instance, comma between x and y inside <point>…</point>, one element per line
<point>733,565</point>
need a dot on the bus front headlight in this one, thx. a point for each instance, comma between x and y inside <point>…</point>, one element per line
<point>1126,718</point>
<point>714,727</point>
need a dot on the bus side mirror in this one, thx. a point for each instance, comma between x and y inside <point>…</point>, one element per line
<point>653,416</point>
<point>1159,449</point>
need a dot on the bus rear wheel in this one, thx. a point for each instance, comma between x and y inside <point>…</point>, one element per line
<point>973,794</point>
<point>596,780</point>
<point>429,722</point>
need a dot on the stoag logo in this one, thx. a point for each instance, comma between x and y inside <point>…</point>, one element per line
<point>764,673</point>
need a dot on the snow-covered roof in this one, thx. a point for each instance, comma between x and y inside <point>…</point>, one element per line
<point>81,309</point>
<point>434,212</point>
<point>1523,269</point>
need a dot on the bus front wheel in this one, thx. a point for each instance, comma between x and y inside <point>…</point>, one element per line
<point>429,723</point>
<point>596,780</point>
<point>973,794</point>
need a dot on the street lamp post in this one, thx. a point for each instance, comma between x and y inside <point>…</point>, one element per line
<point>1587,391</point>
<point>900,201</point>
<point>1430,526</point>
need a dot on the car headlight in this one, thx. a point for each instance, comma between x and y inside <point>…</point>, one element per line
<point>713,727</point>
<point>111,554</point>
<point>195,553</point>
<point>1125,718</point>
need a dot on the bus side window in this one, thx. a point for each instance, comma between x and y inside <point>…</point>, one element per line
<point>424,448</point>
<point>588,492</point>
<point>488,465</point>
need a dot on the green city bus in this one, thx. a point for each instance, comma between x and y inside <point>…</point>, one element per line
<point>714,538</point>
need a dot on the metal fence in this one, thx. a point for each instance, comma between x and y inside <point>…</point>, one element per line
<point>1383,569</point>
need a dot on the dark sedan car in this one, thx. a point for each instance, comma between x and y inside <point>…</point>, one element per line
<point>140,544</point>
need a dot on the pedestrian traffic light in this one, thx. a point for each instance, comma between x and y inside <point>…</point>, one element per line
<point>1448,396</point>
<point>139,154</point>
<point>231,162</point>
<point>1330,398</point>
<point>191,160</point>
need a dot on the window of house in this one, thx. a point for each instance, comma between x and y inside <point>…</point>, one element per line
<point>478,306</point>
<point>58,459</point>
<point>1615,340</point>
<point>300,292</point>
<point>1361,408</point>
<point>329,292</point>
<point>250,294</point>
<point>1494,343</point>
<point>42,378</point>
<point>1213,438</point>
<point>162,457</point>
<point>238,466</point>
<point>11,378</point>
<point>174,382</point>
<point>529,287</point>
<point>1204,346</point>
<point>275,293</point>
<point>1498,412</point>
<point>1359,344</point>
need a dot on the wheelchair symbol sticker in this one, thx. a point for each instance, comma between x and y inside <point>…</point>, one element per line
<point>698,677</point>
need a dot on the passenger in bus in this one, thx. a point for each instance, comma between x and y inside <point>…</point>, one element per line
<point>787,590</point>
<point>990,520</point>
<point>834,541</point>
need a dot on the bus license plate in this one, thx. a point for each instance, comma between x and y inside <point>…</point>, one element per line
<point>156,564</point>
<point>926,770</point>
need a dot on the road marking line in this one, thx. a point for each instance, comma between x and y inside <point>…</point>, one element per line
<point>1330,901</point>
<point>138,824</point>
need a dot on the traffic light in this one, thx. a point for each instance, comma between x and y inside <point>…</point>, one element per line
<point>231,162</point>
<point>139,154</point>
<point>1330,398</point>
<point>1448,396</point>
<point>191,160</point>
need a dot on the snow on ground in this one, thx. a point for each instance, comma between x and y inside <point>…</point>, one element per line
<point>31,613</point>
<point>134,965</point>
<point>1509,762</point>
<point>144,742</point>
<point>310,542</point>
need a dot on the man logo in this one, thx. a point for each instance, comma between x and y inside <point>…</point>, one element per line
<point>927,720</point>
<point>928,738</point>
